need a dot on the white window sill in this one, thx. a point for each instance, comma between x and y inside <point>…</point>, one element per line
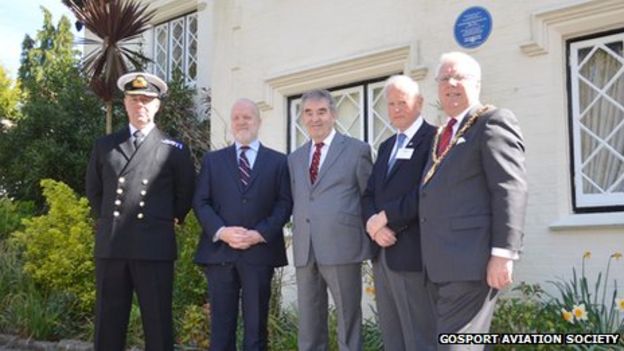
<point>589,220</point>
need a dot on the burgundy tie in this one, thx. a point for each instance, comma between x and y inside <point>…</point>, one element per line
<point>243,166</point>
<point>316,160</point>
<point>446,137</point>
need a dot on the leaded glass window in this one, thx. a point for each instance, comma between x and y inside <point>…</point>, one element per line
<point>175,48</point>
<point>597,120</point>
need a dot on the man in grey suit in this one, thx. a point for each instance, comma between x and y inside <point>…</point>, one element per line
<point>472,202</point>
<point>328,175</point>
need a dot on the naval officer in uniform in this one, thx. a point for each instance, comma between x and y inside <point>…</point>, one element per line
<point>139,184</point>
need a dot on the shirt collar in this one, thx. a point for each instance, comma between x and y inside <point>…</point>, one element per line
<point>328,140</point>
<point>459,118</point>
<point>254,145</point>
<point>146,130</point>
<point>411,131</point>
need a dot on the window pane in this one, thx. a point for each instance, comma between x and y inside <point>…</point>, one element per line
<point>379,125</point>
<point>349,105</point>
<point>602,117</point>
<point>600,68</point>
<point>160,50</point>
<point>616,47</point>
<point>191,48</point>
<point>177,46</point>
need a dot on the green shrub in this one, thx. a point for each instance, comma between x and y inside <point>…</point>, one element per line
<point>528,313</point>
<point>12,280</point>
<point>25,309</point>
<point>31,314</point>
<point>194,327</point>
<point>190,286</point>
<point>58,246</point>
<point>11,214</point>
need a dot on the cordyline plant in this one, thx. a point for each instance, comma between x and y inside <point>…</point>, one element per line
<point>117,26</point>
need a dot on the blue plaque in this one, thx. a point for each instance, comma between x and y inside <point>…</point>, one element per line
<point>473,27</point>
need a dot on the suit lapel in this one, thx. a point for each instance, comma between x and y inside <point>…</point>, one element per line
<point>468,114</point>
<point>450,153</point>
<point>412,144</point>
<point>231,162</point>
<point>335,149</point>
<point>145,151</point>
<point>124,141</point>
<point>303,160</point>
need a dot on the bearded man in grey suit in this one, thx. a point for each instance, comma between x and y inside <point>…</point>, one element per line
<point>472,202</point>
<point>328,176</point>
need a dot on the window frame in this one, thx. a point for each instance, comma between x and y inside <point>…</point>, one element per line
<point>580,203</point>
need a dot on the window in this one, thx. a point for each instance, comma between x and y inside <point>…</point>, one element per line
<point>362,114</point>
<point>596,77</point>
<point>175,48</point>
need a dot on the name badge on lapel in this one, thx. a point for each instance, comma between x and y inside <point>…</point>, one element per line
<point>404,154</point>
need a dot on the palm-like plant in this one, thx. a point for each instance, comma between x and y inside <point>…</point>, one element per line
<point>117,26</point>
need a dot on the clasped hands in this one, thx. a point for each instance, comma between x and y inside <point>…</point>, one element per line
<point>377,229</point>
<point>240,238</point>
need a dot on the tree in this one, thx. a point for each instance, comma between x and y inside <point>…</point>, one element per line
<point>9,97</point>
<point>59,120</point>
<point>118,25</point>
<point>180,117</point>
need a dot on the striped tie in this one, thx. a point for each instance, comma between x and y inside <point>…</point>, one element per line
<point>316,160</point>
<point>243,166</point>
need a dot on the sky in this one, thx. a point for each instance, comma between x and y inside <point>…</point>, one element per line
<point>21,17</point>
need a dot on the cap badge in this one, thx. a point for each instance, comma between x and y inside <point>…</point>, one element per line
<point>139,82</point>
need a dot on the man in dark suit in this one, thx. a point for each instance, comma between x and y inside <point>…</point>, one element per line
<point>139,184</point>
<point>328,177</point>
<point>472,201</point>
<point>391,216</point>
<point>242,201</point>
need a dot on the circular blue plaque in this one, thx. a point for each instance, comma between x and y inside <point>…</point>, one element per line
<point>473,27</point>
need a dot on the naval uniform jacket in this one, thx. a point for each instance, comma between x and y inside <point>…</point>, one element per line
<point>136,195</point>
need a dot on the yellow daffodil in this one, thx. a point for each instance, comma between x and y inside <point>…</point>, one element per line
<point>567,316</point>
<point>587,255</point>
<point>580,313</point>
<point>620,304</point>
<point>617,255</point>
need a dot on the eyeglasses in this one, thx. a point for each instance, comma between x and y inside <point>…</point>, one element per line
<point>455,77</point>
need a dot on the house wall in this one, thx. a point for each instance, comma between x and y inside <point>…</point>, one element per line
<point>271,49</point>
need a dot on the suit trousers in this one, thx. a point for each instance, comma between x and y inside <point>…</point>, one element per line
<point>116,279</point>
<point>405,313</point>
<point>462,307</point>
<point>345,285</point>
<point>225,283</point>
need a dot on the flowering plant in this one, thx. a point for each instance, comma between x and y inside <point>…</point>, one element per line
<point>591,309</point>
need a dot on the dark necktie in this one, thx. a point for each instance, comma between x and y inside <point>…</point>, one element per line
<point>243,166</point>
<point>316,161</point>
<point>445,139</point>
<point>138,138</point>
<point>399,144</point>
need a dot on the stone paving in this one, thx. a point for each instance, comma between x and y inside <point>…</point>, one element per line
<point>12,343</point>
